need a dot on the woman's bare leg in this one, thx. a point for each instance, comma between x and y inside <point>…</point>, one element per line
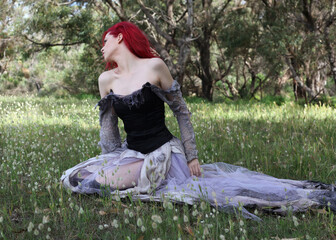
<point>121,177</point>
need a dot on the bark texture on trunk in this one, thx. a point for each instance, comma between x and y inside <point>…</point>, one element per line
<point>331,54</point>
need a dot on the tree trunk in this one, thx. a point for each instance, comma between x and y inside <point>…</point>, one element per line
<point>300,88</point>
<point>184,44</point>
<point>205,65</point>
<point>331,55</point>
<point>204,48</point>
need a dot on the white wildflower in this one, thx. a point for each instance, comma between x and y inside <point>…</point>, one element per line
<point>185,219</point>
<point>81,211</point>
<point>49,229</point>
<point>126,211</point>
<point>1,219</point>
<point>175,218</point>
<point>37,210</point>
<point>296,223</point>
<point>40,226</point>
<point>101,227</point>
<point>115,223</point>
<point>203,206</point>
<point>154,225</point>
<point>143,229</point>
<point>126,221</point>
<point>30,227</point>
<point>45,219</point>
<point>157,218</point>
<point>139,222</point>
<point>36,232</point>
<point>241,223</point>
<point>170,206</point>
<point>131,214</point>
<point>221,237</point>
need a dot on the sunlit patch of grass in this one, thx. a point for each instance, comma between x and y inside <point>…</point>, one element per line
<point>40,138</point>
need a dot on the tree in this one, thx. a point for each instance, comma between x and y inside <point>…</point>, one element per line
<point>208,21</point>
<point>238,48</point>
<point>300,26</point>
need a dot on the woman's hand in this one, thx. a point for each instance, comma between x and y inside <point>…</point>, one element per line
<point>195,167</point>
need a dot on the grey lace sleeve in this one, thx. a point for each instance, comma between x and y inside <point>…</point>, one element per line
<point>109,131</point>
<point>173,97</point>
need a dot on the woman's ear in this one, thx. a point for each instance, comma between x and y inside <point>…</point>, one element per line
<point>120,37</point>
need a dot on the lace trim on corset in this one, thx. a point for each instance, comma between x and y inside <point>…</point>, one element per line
<point>136,98</point>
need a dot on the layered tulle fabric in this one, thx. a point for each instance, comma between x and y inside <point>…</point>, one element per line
<point>164,175</point>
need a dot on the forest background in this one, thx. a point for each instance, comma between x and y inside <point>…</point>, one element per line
<point>216,49</point>
<point>221,50</point>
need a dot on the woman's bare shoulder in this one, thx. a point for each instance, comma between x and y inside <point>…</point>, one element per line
<point>156,63</point>
<point>159,67</point>
<point>105,81</point>
<point>106,77</point>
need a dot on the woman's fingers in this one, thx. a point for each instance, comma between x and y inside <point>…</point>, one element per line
<point>198,170</point>
<point>195,168</point>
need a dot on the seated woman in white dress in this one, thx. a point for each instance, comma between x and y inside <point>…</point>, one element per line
<point>152,164</point>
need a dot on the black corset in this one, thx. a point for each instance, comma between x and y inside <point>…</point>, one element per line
<point>144,121</point>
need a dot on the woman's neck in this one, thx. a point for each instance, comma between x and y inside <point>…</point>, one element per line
<point>126,62</point>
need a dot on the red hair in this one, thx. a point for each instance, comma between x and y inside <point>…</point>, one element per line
<point>134,39</point>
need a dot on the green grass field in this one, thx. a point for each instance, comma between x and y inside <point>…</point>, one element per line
<point>40,138</point>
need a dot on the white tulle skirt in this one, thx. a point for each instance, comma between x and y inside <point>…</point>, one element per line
<point>164,175</point>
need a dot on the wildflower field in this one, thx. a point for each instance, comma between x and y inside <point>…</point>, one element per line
<point>42,137</point>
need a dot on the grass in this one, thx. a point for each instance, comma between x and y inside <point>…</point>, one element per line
<point>41,137</point>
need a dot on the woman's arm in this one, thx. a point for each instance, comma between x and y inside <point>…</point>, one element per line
<point>181,112</point>
<point>109,131</point>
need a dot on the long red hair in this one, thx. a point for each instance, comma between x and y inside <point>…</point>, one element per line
<point>134,39</point>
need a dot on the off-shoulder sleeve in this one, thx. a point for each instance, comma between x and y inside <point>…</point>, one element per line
<point>109,131</point>
<point>173,97</point>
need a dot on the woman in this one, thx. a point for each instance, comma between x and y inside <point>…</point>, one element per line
<point>152,164</point>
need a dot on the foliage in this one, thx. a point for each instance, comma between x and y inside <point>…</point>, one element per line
<point>237,49</point>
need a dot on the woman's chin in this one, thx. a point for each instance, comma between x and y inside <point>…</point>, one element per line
<point>107,59</point>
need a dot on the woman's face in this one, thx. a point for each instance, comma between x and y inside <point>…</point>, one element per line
<point>110,44</point>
